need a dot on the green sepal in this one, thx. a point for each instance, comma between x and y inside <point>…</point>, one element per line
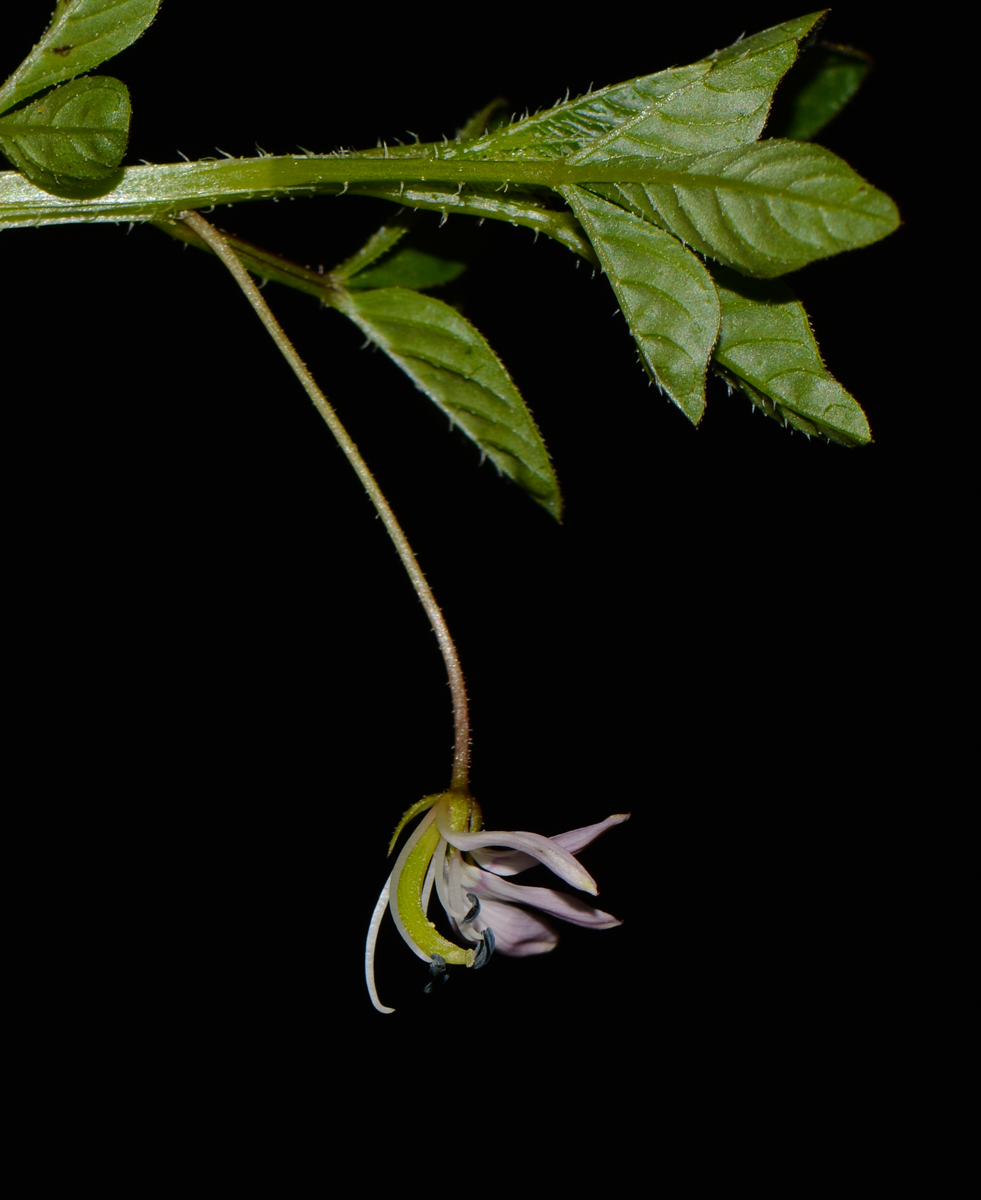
<point>409,899</point>
<point>415,810</point>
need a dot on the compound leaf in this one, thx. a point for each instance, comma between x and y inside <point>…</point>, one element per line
<point>764,209</point>
<point>767,348</point>
<point>72,140</point>
<point>82,34</point>
<point>665,293</point>
<point>449,360</point>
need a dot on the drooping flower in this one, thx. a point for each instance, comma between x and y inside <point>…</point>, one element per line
<point>467,866</point>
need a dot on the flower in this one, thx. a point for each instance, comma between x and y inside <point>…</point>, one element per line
<point>468,868</point>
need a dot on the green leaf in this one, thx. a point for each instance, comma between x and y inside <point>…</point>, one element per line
<point>767,348</point>
<point>820,85</point>
<point>489,118</point>
<point>724,108</point>
<point>764,209</point>
<point>409,268</point>
<point>450,361</point>
<point>665,293</point>
<point>72,140</point>
<point>566,128</point>
<point>716,104</point>
<point>380,242</point>
<point>82,34</point>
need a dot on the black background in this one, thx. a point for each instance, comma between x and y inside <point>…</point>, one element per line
<point>232,680</point>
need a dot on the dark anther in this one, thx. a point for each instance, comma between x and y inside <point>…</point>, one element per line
<point>475,911</point>
<point>486,950</point>
<point>437,968</point>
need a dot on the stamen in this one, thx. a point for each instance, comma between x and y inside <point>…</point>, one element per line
<point>475,911</point>
<point>486,949</point>
<point>437,968</point>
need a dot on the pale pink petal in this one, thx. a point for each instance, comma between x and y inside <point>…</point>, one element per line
<point>503,862</point>
<point>556,904</point>
<point>512,862</point>
<point>518,934</point>
<point>559,861</point>
<point>575,839</point>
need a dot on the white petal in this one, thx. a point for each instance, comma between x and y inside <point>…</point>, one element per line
<point>512,862</point>
<point>556,904</point>
<point>407,849</point>
<point>442,890</point>
<point>518,933</point>
<point>447,887</point>
<point>454,885</point>
<point>427,885</point>
<point>369,950</point>
<point>558,860</point>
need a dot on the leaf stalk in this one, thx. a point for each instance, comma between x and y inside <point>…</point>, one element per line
<point>461,720</point>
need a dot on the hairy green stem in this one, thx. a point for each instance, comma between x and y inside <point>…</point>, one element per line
<point>461,750</point>
<point>151,192</point>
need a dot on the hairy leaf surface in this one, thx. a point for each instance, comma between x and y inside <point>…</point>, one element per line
<point>766,347</point>
<point>715,104</point>
<point>725,108</point>
<point>563,130</point>
<point>765,209</point>
<point>665,293</point>
<point>818,88</point>
<point>449,360</point>
<point>73,139</point>
<point>82,34</point>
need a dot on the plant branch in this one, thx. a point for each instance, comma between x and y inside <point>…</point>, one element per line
<point>461,751</point>
<point>165,190</point>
